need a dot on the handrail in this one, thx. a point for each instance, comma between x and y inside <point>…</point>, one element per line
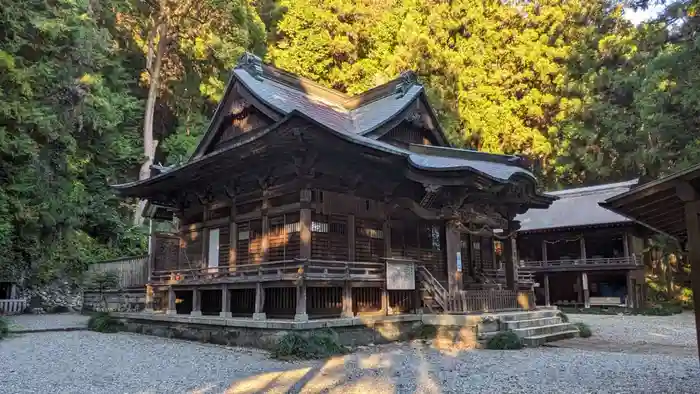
<point>279,270</point>
<point>629,260</point>
<point>434,286</point>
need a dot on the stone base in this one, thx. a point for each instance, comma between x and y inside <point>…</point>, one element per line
<point>301,317</point>
<point>148,310</point>
<point>225,315</point>
<point>196,313</point>
<point>171,312</point>
<point>259,316</point>
<point>347,315</point>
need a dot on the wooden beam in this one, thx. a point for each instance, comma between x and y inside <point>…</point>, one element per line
<point>305,223</point>
<point>352,230</point>
<point>586,293</point>
<point>547,301</point>
<point>347,301</point>
<point>232,237</point>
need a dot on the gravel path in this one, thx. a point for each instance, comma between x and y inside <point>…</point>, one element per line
<point>47,322</point>
<point>87,362</point>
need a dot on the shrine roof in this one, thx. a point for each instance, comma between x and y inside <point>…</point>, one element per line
<point>337,114</point>
<point>576,207</point>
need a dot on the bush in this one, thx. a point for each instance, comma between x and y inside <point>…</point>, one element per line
<point>4,328</point>
<point>103,322</point>
<point>505,340</point>
<point>584,331</point>
<point>320,344</point>
<point>564,317</point>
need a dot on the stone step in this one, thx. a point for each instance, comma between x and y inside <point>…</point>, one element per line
<point>531,315</point>
<point>539,340</point>
<point>545,321</point>
<point>543,330</point>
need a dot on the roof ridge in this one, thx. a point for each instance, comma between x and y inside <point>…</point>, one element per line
<point>595,189</point>
<point>254,65</point>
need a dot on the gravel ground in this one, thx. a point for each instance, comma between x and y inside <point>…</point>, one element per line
<point>675,330</point>
<point>87,362</point>
<point>47,321</point>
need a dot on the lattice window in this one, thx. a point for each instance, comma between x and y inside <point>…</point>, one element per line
<point>369,241</point>
<point>224,244</point>
<point>193,249</point>
<point>284,237</point>
<point>320,239</point>
<point>242,256</point>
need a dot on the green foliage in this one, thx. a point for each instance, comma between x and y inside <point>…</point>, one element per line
<point>104,280</point>
<point>661,309</point>
<point>319,344</point>
<point>564,317</point>
<point>505,340</point>
<point>584,331</point>
<point>104,322</point>
<point>4,328</point>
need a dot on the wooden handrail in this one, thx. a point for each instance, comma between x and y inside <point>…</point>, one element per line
<point>630,260</point>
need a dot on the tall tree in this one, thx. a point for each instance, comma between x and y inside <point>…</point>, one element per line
<point>187,46</point>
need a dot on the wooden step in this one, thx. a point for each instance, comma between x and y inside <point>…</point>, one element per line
<point>539,340</point>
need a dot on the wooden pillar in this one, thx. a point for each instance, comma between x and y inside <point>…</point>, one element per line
<point>579,292</point>
<point>171,302</point>
<point>196,302</point>
<point>205,238</point>
<point>225,302</point>
<point>544,251</point>
<point>149,299</point>
<point>509,253</point>
<point>232,237</point>
<point>583,247</point>
<point>626,244</point>
<point>547,299</point>
<point>586,294</point>
<point>630,289</point>
<point>351,237</point>
<point>301,315</point>
<point>452,247</point>
<point>265,230</point>
<point>305,219</point>
<point>180,216</point>
<point>347,301</point>
<point>259,302</point>
<point>691,198</point>
<point>386,232</point>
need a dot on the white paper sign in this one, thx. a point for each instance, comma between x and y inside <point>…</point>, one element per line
<point>400,276</point>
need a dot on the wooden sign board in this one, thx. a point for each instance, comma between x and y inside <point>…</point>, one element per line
<point>400,275</point>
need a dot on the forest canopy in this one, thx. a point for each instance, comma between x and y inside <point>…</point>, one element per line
<point>93,92</point>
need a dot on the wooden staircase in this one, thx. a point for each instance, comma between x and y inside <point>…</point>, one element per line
<point>433,292</point>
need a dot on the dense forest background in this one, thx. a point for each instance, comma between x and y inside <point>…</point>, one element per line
<point>93,92</point>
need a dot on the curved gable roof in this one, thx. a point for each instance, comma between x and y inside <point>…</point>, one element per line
<point>283,93</point>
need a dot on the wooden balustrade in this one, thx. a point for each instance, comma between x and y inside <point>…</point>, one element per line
<point>12,307</point>
<point>130,271</point>
<point>287,270</point>
<point>589,262</point>
<point>492,300</point>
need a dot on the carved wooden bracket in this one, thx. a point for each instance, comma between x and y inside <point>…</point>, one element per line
<point>305,163</point>
<point>232,189</point>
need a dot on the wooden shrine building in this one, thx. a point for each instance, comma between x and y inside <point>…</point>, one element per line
<point>670,205</point>
<point>581,253</point>
<point>302,202</point>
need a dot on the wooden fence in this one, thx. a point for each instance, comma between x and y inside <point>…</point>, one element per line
<point>131,271</point>
<point>491,300</point>
<point>12,307</point>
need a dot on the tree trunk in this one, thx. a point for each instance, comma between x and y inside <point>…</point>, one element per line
<point>154,60</point>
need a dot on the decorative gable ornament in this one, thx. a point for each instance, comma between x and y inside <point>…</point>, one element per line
<point>253,64</point>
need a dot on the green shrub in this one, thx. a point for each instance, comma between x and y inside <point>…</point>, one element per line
<point>320,344</point>
<point>564,317</point>
<point>505,340</point>
<point>103,322</point>
<point>584,331</point>
<point>4,328</point>
<point>426,332</point>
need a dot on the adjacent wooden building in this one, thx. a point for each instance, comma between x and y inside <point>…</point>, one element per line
<point>581,253</point>
<point>669,205</point>
<point>303,202</point>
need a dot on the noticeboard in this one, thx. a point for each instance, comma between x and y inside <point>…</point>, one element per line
<point>400,275</point>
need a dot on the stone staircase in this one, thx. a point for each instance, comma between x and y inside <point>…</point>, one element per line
<point>535,328</point>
